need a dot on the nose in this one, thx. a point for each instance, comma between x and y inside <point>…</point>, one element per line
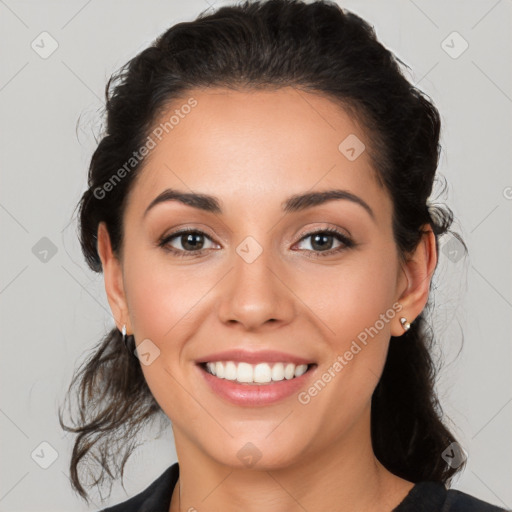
<point>255,294</point>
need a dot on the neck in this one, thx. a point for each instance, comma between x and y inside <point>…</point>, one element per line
<point>344,476</point>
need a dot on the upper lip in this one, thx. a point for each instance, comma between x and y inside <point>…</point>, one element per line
<point>254,357</point>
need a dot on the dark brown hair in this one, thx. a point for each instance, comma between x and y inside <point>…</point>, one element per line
<point>315,47</point>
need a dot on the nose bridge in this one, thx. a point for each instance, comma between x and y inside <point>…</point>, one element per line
<point>254,293</point>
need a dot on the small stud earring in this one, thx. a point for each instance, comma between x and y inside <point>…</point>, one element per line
<point>405,324</point>
<point>126,338</point>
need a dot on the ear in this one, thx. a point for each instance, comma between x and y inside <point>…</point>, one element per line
<point>113,275</point>
<point>416,273</point>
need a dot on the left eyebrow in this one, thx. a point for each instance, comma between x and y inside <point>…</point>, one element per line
<point>295,203</point>
<point>300,202</point>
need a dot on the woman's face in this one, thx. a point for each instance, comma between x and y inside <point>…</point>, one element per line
<point>253,280</point>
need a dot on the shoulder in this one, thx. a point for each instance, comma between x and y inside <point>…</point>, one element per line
<point>434,497</point>
<point>458,501</point>
<point>155,498</point>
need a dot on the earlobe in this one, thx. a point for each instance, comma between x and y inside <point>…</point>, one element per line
<point>113,276</point>
<point>418,271</point>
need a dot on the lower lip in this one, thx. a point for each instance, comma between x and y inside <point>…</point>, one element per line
<point>253,394</point>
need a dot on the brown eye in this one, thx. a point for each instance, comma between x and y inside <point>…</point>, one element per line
<point>191,242</point>
<point>322,242</point>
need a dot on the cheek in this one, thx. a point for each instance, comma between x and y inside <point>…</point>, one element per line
<point>356,307</point>
<point>161,303</point>
<point>161,297</point>
<point>353,295</point>
<point>166,305</point>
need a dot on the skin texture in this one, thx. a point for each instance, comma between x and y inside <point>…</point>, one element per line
<point>253,150</point>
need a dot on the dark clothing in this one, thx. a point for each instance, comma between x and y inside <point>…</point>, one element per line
<point>423,497</point>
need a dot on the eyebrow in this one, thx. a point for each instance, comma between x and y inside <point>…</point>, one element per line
<point>295,203</point>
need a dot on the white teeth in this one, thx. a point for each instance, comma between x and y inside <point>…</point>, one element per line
<point>219,370</point>
<point>301,370</point>
<point>260,373</point>
<point>244,372</point>
<point>278,371</point>
<point>230,371</point>
<point>289,371</point>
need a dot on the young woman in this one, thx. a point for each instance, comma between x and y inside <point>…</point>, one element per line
<point>259,207</point>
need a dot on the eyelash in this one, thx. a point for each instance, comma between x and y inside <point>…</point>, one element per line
<point>346,241</point>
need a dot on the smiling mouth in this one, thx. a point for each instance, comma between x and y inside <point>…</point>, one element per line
<point>255,374</point>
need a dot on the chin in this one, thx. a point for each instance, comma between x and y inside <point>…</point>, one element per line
<point>257,454</point>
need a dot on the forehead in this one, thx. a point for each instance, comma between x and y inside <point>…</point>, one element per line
<point>253,147</point>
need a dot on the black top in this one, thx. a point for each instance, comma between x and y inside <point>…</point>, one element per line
<point>423,497</point>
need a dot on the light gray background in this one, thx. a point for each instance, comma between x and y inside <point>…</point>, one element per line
<point>53,312</point>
